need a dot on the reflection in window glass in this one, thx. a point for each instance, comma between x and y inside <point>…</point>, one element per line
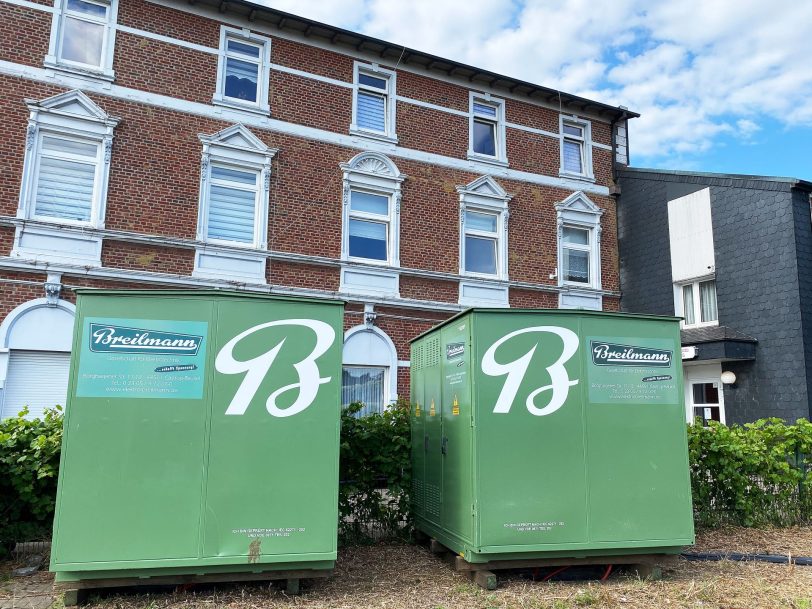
<point>480,255</point>
<point>484,138</point>
<point>367,239</point>
<point>82,41</point>
<point>365,385</point>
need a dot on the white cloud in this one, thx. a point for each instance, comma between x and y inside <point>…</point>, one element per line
<point>695,69</point>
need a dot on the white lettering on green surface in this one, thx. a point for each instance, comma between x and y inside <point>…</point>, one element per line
<point>257,369</point>
<point>517,369</point>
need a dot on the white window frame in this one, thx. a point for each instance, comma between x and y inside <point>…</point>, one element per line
<point>578,211</point>
<point>585,143</point>
<point>485,195</point>
<point>262,104</point>
<point>376,174</point>
<point>238,148</point>
<point>589,248</point>
<point>499,130</point>
<point>679,307</point>
<point>703,373</point>
<point>54,60</point>
<point>390,96</point>
<point>84,122</point>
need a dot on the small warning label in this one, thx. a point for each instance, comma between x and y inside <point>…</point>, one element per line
<point>432,410</point>
<point>417,410</point>
<point>455,406</point>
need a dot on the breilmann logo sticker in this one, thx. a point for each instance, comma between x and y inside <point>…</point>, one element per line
<point>120,339</point>
<point>611,354</point>
<point>627,370</point>
<point>142,358</point>
<point>454,350</point>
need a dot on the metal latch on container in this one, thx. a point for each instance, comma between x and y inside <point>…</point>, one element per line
<point>425,443</point>
<point>444,445</point>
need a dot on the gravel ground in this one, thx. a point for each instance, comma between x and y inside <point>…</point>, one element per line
<point>409,577</point>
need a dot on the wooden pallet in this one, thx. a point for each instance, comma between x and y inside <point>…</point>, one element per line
<point>76,591</point>
<point>647,566</point>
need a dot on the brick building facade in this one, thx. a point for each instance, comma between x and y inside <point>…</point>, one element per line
<point>163,143</point>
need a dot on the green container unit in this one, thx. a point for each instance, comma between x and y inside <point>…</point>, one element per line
<point>550,433</point>
<point>201,435</point>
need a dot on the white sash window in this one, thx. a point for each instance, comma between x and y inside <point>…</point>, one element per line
<point>83,36</point>
<point>373,102</point>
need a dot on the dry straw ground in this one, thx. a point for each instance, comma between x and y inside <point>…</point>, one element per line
<point>409,577</point>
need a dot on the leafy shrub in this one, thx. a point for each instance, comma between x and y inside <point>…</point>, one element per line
<point>375,474</point>
<point>753,474</point>
<point>29,464</point>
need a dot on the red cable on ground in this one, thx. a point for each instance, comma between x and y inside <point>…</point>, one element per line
<point>606,574</point>
<point>554,573</point>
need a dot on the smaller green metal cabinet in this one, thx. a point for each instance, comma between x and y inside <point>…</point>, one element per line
<point>548,433</point>
<point>201,435</point>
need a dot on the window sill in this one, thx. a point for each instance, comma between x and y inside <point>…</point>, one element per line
<point>482,158</point>
<point>235,105</point>
<point>379,137</point>
<point>105,75</point>
<point>707,324</point>
<point>576,176</point>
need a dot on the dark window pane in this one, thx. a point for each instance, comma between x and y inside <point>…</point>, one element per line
<point>371,81</point>
<point>484,138</point>
<point>241,80</point>
<point>368,240</point>
<point>480,255</point>
<point>243,48</point>
<point>705,393</point>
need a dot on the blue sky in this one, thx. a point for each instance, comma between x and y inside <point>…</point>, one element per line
<point>722,85</point>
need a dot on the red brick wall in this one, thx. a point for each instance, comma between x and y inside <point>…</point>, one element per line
<point>26,33</point>
<point>169,69</point>
<point>6,240</point>
<point>419,288</point>
<point>532,299</point>
<point>166,69</point>
<point>297,275</point>
<point>147,257</point>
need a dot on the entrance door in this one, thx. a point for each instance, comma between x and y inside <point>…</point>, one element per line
<point>704,397</point>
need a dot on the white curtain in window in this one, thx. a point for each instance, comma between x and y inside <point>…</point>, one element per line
<point>707,299</point>
<point>572,157</point>
<point>365,385</point>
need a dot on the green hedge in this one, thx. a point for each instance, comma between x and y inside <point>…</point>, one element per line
<point>751,475</point>
<point>375,475</point>
<point>29,463</point>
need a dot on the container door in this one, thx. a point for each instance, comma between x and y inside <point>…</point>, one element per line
<point>272,486</point>
<point>132,465</point>
<point>418,416</point>
<point>529,430</point>
<point>433,425</point>
<point>455,444</point>
<point>638,456</point>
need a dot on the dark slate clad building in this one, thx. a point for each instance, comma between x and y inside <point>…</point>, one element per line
<point>732,255</point>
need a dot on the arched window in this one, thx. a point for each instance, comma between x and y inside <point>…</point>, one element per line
<point>370,369</point>
<point>35,341</point>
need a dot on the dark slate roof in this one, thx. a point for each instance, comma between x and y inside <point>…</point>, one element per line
<point>399,54</point>
<point>716,179</point>
<point>712,334</point>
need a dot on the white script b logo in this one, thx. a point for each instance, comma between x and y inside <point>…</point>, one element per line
<point>516,370</point>
<point>256,369</point>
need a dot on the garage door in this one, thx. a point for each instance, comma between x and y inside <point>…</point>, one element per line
<point>38,379</point>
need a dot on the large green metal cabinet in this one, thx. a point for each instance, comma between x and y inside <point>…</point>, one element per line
<point>550,433</point>
<point>200,435</point>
